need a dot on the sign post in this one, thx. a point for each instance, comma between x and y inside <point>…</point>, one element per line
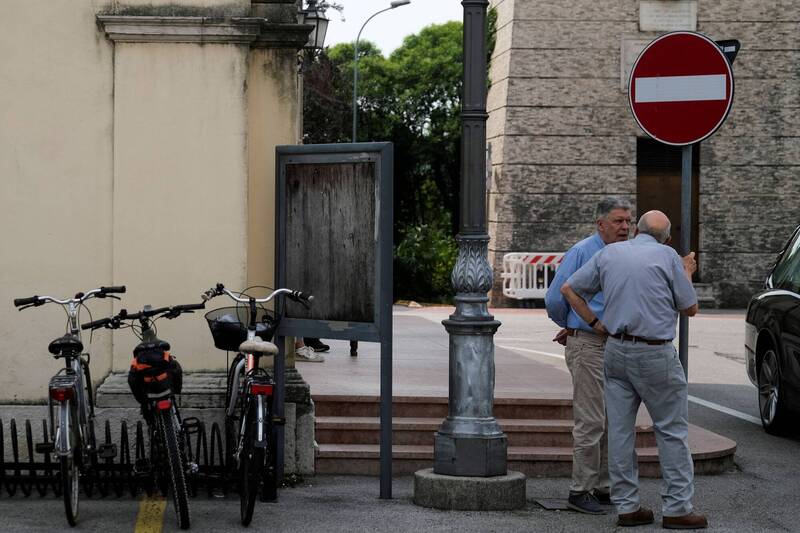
<point>680,92</point>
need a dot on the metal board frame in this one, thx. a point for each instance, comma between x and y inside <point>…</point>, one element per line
<point>380,329</point>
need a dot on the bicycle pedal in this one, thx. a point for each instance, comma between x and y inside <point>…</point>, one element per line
<point>279,420</point>
<point>191,425</point>
<point>45,447</point>
<point>107,451</point>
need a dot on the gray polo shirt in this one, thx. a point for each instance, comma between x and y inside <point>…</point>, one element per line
<point>644,286</point>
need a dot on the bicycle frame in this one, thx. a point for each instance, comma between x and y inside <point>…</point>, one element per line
<point>242,377</point>
<point>70,393</point>
<point>72,384</point>
<point>244,370</point>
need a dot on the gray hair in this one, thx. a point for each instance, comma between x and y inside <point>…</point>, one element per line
<point>659,234</point>
<point>606,205</point>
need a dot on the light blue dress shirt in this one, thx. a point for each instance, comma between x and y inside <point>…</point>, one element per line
<point>558,309</point>
<point>644,285</point>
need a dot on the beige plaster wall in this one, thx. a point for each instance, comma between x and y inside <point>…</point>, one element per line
<point>55,181</point>
<point>180,194</point>
<point>272,98</point>
<point>144,164</point>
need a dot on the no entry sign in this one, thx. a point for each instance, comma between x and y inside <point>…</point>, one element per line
<point>681,88</point>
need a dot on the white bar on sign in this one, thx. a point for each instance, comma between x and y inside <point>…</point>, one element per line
<point>680,88</point>
<point>730,49</point>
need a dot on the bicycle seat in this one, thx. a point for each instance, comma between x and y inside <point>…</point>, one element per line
<point>155,346</point>
<point>258,346</point>
<point>66,344</point>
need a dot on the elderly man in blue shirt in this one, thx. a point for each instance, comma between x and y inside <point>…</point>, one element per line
<point>584,358</point>
<point>645,285</point>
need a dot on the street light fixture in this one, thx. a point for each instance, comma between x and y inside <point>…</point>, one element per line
<point>392,5</point>
<point>312,15</point>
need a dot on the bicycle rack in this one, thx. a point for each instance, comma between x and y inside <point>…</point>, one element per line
<point>26,473</point>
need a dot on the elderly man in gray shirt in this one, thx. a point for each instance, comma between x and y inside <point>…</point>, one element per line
<point>646,285</point>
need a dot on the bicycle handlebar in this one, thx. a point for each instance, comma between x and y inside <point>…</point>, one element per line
<point>96,324</point>
<point>113,289</point>
<point>220,289</point>
<point>33,300</point>
<point>115,321</point>
<point>80,297</point>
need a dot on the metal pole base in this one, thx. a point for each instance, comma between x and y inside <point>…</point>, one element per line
<point>470,455</point>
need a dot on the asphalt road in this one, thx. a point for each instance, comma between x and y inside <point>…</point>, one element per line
<point>757,495</point>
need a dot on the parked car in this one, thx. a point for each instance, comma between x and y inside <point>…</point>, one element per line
<point>772,342</point>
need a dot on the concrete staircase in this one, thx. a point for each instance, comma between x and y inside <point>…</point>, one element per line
<point>539,432</point>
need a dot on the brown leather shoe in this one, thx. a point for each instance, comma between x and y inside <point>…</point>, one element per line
<point>641,517</point>
<point>688,521</point>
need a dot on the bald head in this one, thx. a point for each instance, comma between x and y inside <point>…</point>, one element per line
<point>655,224</point>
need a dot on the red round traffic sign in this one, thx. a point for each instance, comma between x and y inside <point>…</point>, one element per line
<point>681,88</point>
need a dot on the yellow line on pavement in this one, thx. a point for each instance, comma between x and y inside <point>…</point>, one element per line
<point>151,515</point>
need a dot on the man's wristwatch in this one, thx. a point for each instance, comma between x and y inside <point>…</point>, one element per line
<point>593,322</point>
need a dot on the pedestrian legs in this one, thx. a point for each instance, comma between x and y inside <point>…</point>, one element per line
<point>664,391</point>
<point>584,356</point>
<point>622,404</point>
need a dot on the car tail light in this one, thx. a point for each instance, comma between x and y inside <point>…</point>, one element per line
<point>261,389</point>
<point>164,404</point>
<point>60,394</point>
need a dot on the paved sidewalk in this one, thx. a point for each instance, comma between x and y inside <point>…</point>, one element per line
<point>527,362</point>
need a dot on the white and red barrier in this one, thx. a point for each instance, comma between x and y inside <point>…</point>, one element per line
<point>527,275</point>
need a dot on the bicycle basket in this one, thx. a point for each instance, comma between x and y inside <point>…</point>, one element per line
<point>228,326</point>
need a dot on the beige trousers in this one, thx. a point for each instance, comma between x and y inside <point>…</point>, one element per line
<point>584,356</point>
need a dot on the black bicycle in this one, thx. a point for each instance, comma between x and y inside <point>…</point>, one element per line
<point>249,417</point>
<point>155,377</point>
<point>70,395</point>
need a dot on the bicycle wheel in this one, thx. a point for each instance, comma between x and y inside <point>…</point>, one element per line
<point>70,479</point>
<point>251,470</point>
<point>269,491</point>
<point>178,492</point>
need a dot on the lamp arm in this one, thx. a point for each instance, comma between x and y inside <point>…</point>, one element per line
<point>355,68</point>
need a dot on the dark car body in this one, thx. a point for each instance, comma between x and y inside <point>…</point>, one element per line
<point>772,341</point>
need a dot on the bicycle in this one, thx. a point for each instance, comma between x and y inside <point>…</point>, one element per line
<point>251,444</point>
<point>70,394</point>
<point>154,379</point>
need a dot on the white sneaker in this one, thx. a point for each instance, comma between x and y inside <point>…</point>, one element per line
<point>307,353</point>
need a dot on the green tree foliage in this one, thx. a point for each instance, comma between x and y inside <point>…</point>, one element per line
<point>413,99</point>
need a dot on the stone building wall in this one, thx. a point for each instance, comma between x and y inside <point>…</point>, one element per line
<point>561,134</point>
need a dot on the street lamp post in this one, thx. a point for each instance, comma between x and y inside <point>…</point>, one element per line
<point>470,441</point>
<point>394,4</point>
<point>470,470</point>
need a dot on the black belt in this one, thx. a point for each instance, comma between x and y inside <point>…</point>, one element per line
<point>634,338</point>
<point>573,332</point>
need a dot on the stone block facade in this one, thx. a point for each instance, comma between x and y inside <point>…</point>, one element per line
<point>561,135</point>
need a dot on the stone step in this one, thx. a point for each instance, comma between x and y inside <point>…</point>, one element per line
<point>420,431</point>
<point>712,454</point>
<point>705,295</point>
<point>550,407</point>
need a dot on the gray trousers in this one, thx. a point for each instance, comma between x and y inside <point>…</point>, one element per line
<point>635,373</point>
<point>584,357</point>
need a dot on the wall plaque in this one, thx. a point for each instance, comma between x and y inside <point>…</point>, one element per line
<point>667,15</point>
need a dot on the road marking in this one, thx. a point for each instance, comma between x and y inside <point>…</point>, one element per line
<point>693,399</point>
<point>527,350</point>
<point>151,515</point>
<point>726,410</point>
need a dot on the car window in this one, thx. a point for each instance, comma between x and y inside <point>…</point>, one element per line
<point>787,272</point>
